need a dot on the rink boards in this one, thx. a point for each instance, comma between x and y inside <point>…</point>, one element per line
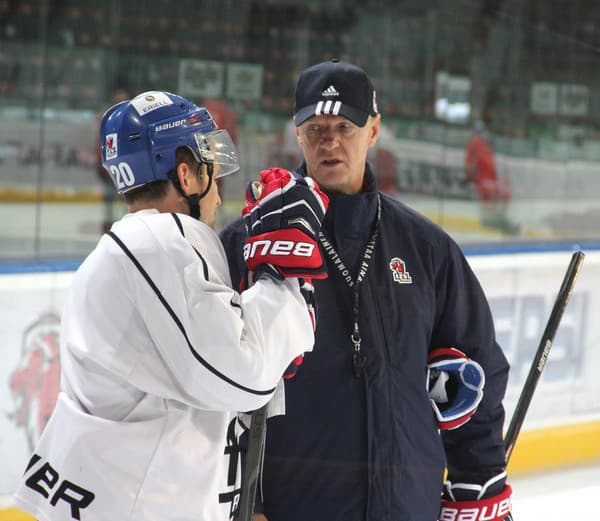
<point>562,426</point>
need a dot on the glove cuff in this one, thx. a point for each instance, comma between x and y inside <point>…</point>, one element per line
<point>292,369</point>
<point>292,252</point>
<point>494,508</point>
<point>450,368</point>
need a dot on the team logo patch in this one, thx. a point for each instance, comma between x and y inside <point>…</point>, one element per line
<point>398,269</point>
<point>151,101</point>
<point>111,147</point>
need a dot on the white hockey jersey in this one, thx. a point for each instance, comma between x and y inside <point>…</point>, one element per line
<point>158,354</point>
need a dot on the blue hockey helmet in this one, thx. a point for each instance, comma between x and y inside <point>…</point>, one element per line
<point>139,139</point>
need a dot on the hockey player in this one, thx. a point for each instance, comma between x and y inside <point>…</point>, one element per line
<point>158,352</point>
<point>402,325</point>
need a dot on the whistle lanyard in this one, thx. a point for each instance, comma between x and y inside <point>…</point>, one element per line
<point>359,358</point>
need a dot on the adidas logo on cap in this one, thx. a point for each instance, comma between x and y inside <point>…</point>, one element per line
<point>330,91</point>
<point>335,88</point>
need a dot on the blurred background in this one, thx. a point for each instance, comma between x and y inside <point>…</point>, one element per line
<point>490,127</point>
<point>521,75</point>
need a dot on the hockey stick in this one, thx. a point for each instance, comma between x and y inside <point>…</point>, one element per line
<point>253,464</point>
<point>543,350</point>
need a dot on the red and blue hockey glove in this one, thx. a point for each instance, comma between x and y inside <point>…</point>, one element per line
<point>455,385</point>
<point>283,216</point>
<point>470,501</point>
<point>284,199</point>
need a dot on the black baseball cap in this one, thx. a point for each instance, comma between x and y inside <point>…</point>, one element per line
<point>337,88</point>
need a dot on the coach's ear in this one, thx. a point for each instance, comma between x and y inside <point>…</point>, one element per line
<point>374,123</point>
<point>298,138</point>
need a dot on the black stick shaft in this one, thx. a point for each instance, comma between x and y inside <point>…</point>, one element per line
<point>543,350</point>
<point>256,442</point>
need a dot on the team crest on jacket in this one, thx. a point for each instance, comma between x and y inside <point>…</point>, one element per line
<point>399,272</point>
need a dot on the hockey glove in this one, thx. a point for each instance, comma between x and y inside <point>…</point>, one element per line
<point>455,385</point>
<point>292,369</point>
<point>283,216</point>
<point>488,502</point>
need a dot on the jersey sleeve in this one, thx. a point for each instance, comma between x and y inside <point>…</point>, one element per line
<point>168,325</point>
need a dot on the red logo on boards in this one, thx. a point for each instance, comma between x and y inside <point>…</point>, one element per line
<point>35,382</point>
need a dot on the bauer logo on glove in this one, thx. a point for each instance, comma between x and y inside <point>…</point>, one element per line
<point>488,501</point>
<point>455,385</point>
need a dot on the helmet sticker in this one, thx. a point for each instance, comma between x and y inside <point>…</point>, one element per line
<point>149,101</point>
<point>111,146</point>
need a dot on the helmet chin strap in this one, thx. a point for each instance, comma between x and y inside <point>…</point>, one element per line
<point>194,199</point>
<point>194,205</point>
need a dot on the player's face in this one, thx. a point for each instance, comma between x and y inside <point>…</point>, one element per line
<point>335,150</point>
<point>212,200</point>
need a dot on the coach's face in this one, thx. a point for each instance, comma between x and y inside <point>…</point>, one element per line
<point>335,150</point>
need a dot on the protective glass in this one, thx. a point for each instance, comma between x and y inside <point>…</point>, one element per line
<point>218,148</point>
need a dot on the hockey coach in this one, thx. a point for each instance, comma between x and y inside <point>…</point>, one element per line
<point>406,378</point>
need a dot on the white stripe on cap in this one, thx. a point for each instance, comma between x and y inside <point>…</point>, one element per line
<point>328,107</point>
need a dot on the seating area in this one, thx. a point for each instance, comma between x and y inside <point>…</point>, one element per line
<point>74,53</point>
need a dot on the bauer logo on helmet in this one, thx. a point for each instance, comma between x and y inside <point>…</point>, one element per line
<point>170,125</point>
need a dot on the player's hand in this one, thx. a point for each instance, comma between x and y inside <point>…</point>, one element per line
<point>455,385</point>
<point>283,216</point>
<point>490,501</point>
<point>259,517</point>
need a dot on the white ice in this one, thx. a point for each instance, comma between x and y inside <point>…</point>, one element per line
<point>558,495</point>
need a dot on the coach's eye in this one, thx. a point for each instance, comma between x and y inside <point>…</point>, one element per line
<point>346,129</point>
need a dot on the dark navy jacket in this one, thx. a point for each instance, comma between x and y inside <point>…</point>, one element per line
<point>368,448</point>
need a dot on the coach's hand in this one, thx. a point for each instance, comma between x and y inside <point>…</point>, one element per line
<point>283,216</point>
